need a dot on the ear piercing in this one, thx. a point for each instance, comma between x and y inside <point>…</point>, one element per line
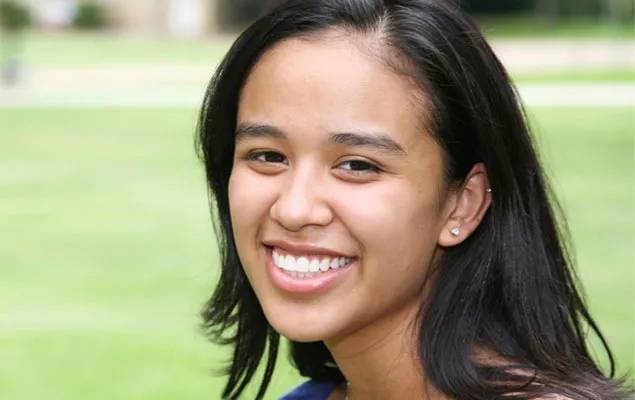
<point>455,231</point>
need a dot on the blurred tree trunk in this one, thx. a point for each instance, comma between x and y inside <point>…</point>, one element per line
<point>10,60</point>
<point>548,11</point>
<point>15,18</point>
<point>619,11</point>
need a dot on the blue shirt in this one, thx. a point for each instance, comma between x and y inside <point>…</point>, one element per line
<point>311,390</point>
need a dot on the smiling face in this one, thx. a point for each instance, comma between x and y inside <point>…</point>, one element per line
<point>337,193</point>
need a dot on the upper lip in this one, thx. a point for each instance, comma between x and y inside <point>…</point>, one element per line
<point>303,249</point>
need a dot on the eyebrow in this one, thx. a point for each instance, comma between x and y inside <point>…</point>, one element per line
<point>375,141</point>
<point>370,140</point>
<point>251,130</point>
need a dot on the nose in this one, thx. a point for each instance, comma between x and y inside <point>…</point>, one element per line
<point>301,202</point>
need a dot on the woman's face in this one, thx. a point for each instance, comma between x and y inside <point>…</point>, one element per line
<point>337,191</point>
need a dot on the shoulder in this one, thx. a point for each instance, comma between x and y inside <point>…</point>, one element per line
<point>311,390</point>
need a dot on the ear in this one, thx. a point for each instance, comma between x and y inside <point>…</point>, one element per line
<point>466,207</point>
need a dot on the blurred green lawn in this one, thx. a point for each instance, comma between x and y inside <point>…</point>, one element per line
<point>615,75</point>
<point>98,50</point>
<point>523,26</point>
<point>108,251</point>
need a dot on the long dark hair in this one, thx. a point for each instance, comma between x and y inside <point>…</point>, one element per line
<point>508,288</point>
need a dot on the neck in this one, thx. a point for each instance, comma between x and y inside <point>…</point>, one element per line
<point>382,361</point>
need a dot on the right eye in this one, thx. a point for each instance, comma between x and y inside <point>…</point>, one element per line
<point>269,157</point>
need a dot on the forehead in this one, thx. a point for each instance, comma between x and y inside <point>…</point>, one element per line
<point>328,84</point>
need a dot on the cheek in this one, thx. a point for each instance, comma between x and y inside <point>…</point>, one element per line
<point>394,224</point>
<point>248,203</point>
<point>390,207</point>
<point>395,228</point>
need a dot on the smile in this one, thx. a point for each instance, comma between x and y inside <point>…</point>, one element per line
<point>306,266</point>
<point>305,272</point>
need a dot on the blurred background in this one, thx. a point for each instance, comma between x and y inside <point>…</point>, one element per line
<point>107,252</point>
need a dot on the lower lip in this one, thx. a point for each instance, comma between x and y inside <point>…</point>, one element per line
<point>293,284</point>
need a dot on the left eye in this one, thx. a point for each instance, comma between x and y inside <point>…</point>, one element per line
<point>358,166</point>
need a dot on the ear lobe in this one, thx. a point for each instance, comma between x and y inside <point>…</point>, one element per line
<point>473,199</point>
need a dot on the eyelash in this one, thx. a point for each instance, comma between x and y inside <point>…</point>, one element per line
<point>368,166</point>
<point>255,155</point>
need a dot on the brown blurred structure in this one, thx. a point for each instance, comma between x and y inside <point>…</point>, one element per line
<point>171,17</point>
<point>176,17</point>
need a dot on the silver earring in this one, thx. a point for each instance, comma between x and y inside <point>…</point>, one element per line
<point>455,231</point>
<point>489,190</point>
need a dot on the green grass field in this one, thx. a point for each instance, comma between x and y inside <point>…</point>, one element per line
<point>616,75</point>
<point>98,50</point>
<point>523,26</point>
<point>90,49</point>
<point>108,251</point>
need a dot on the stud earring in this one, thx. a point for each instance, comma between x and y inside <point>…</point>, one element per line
<point>455,231</point>
<point>489,190</point>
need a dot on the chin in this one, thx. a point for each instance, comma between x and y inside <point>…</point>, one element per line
<point>302,337</point>
<point>301,332</point>
<point>304,329</point>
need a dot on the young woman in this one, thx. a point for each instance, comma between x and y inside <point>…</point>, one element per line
<point>380,204</point>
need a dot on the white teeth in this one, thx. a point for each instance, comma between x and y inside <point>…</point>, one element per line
<point>302,264</point>
<point>289,263</point>
<point>305,267</point>
<point>314,266</point>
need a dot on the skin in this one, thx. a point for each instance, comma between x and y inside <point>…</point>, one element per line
<point>386,205</point>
